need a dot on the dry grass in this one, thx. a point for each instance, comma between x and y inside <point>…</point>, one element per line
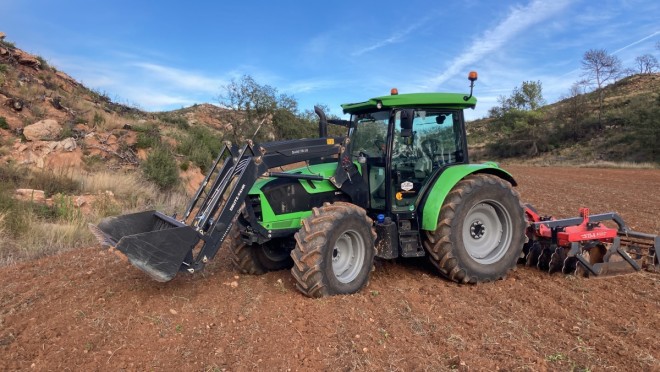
<point>110,121</point>
<point>133,192</point>
<point>63,226</point>
<point>45,237</point>
<point>578,164</point>
<point>3,236</point>
<point>121,184</point>
<point>39,236</point>
<point>622,165</point>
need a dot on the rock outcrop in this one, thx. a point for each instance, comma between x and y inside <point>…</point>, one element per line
<point>37,196</point>
<point>43,130</point>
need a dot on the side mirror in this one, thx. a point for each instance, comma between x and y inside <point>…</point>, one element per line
<point>407,117</point>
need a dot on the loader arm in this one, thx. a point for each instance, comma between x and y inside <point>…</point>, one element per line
<point>161,245</point>
<point>215,219</point>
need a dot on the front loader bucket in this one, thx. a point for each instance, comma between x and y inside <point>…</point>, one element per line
<point>155,243</point>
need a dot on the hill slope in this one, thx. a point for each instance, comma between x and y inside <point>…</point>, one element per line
<point>569,131</point>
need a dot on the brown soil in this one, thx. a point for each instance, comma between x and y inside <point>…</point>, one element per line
<point>88,310</point>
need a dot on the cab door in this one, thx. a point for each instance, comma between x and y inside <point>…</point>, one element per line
<point>433,141</point>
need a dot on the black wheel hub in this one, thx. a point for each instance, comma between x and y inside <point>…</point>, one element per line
<point>477,229</point>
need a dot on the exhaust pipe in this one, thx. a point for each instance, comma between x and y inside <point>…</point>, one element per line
<point>323,122</point>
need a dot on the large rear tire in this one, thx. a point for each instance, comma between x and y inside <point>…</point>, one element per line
<point>334,250</point>
<point>257,259</point>
<point>481,231</point>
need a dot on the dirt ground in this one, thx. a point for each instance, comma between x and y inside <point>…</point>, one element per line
<point>87,310</point>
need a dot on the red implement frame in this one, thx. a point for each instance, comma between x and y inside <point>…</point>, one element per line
<point>585,244</point>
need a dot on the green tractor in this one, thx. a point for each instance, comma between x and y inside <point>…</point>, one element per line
<point>399,184</point>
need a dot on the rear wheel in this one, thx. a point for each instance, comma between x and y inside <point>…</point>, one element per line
<point>334,250</point>
<point>257,259</point>
<point>481,230</point>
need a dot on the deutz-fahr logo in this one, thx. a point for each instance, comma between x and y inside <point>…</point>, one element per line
<point>300,151</point>
<point>406,186</point>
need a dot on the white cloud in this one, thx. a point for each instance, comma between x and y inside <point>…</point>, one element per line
<point>305,86</point>
<point>156,100</point>
<point>176,78</point>
<point>394,38</point>
<point>493,40</point>
<point>636,42</point>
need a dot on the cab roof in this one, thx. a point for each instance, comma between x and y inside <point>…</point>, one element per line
<point>429,100</point>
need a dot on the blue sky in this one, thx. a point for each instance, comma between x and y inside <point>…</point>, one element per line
<point>166,54</point>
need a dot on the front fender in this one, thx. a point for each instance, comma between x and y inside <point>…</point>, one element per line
<point>436,195</point>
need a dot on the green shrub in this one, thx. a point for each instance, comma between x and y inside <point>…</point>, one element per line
<point>38,112</point>
<point>3,123</point>
<point>44,63</point>
<point>201,157</point>
<point>98,119</point>
<point>160,167</point>
<point>148,136</point>
<point>11,175</point>
<point>67,131</point>
<point>3,68</point>
<point>200,145</point>
<point>185,165</point>
<point>93,162</point>
<point>145,141</point>
<point>17,220</point>
<point>179,121</point>
<point>8,44</point>
<point>65,208</point>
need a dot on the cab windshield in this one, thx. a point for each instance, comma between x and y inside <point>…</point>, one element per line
<point>370,134</point>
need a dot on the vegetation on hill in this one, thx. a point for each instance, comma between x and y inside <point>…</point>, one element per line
<point>619,122</point>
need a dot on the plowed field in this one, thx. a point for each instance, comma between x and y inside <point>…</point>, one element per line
<point>88,310</point>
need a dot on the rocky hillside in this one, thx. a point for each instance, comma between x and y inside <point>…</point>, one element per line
<point>69,156</point>
<point>49,120</point>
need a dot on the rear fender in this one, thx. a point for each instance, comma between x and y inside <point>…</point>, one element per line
<point>436,195</point>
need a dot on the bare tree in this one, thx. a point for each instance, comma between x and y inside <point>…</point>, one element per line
<point>647,64</point>
<point>628,71</point>
<point>599,69</point>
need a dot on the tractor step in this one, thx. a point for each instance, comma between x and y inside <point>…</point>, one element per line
<point>411,245</point>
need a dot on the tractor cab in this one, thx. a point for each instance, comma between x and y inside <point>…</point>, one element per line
<point>402,149</point>
<point>403,142</point>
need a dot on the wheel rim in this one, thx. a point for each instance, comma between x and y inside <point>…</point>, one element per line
<point>348,256</point>
<point>487,232</point>
<point>275,254</point>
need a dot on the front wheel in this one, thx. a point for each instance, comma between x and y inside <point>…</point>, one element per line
<point>481,230</point>
<point>257,259</point>
<point>334,250</point>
